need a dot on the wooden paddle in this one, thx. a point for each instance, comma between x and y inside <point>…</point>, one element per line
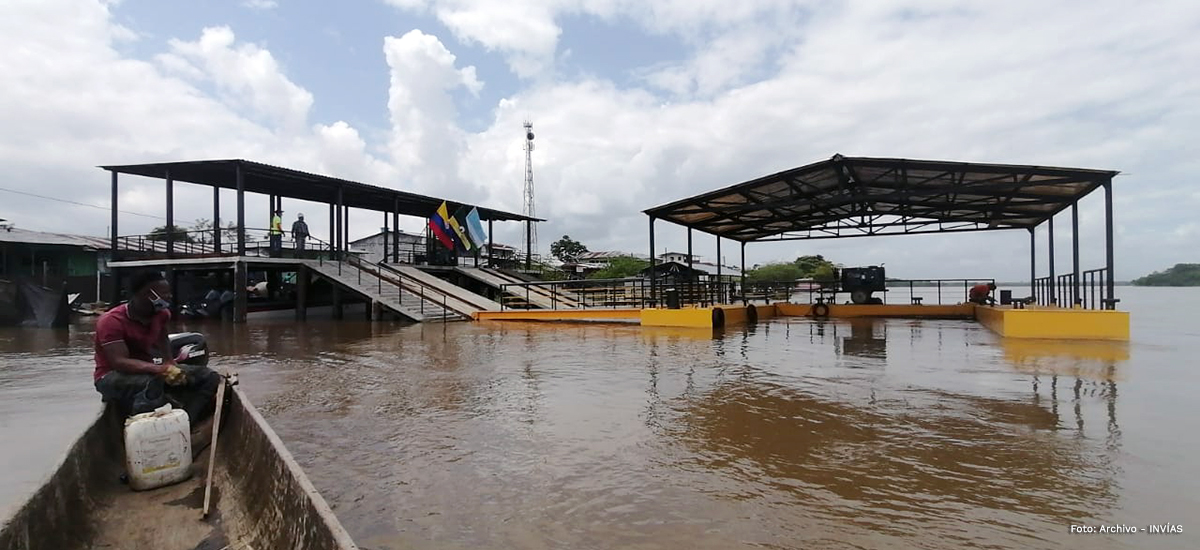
<point>212,453</point>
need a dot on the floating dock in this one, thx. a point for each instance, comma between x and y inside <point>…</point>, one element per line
<point>1025,323</point>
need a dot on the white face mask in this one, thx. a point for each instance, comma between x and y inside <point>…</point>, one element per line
<point>159,303</point>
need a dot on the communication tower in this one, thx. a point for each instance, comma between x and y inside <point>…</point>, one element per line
<point>529,209</point>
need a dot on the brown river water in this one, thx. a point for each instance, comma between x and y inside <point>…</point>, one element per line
<point>788,434</point>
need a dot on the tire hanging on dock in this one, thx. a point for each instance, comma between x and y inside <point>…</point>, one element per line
<point>718,318</point>
<point>820,311</point>
<point>751,314</point>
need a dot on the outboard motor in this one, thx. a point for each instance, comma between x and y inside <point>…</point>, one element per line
<point>189,348</point>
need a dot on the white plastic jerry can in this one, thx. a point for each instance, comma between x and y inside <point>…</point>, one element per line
<point>158,448</point>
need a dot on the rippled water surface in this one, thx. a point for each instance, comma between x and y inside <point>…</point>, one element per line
<point>788,434</point>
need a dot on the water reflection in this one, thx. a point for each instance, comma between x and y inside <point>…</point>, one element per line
<point>922,458</point>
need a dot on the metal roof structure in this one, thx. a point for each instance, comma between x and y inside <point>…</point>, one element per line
<point>862,196</point>
<point>24,236</point>
<point>295,184</point>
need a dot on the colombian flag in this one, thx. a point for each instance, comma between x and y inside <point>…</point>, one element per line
<point>437,223</point>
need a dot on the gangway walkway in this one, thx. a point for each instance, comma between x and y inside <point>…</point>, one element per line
<point>458,295</point>
<point>392,290</point>
<point>534,295</point>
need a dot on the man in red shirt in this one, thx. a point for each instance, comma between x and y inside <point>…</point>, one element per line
<point>980,294</point>
<point>134,366</point>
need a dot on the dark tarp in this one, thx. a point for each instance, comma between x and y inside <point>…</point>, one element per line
<point>42,307</point>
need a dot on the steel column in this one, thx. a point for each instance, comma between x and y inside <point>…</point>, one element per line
<point>528,245</point>
<point>396,227</point>
<point>1032,263</point>
<point>1076,297</point>
<point>332,230</point>
<point>302,293</point>
<point>653,263</point>
<point>1108,243</point>
<point>1053,283</point>
<point>346,230</point>
<point>241,212</point>
<point>385,237</point>
<point>216,219</point>
<point>491,244</point>
<point>114,255</point>
<point>240,277</point>
<point>170,214</point>
<point>744,302</point>
<point>720,287</point>
<point>338,225</point>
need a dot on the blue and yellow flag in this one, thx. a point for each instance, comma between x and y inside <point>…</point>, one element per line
<point>459,219</point>
<point>476,227</point>
<point>458,233</point>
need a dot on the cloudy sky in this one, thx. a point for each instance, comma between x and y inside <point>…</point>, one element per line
<point>634,104</point>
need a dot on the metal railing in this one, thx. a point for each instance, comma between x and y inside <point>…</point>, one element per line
<point>945,290</point>
<point>403,284</point>
<point>1093,290</point>
<point>1042,291</point>
<point>629,292</point>
<point>200,243</point>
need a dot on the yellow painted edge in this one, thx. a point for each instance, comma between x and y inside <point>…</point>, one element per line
<point>558,315</point>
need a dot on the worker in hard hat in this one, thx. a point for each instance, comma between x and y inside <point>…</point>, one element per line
<point>299,234</point>
<point>276,233</point>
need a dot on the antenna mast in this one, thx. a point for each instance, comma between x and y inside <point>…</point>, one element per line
<point>529,209</point>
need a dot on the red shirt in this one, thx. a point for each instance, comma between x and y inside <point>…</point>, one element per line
<point>979,291</point>
<point>140,338</point>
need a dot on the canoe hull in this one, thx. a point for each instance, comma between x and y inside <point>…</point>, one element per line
<point>262,499</point>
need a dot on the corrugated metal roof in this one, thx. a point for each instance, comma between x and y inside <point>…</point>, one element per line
<point>25,236</point>
<point>859,196</point>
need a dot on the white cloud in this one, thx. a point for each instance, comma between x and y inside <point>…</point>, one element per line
<point>1099,86</point>
<point>260,4</point>
<point>246,73</point>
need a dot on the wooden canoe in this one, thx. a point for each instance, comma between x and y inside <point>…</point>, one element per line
<point>261,500</point>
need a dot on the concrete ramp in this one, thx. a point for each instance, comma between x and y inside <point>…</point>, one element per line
<point>537,296</point>
<point>460,295</point>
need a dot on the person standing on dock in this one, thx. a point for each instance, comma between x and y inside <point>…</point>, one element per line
<point>981,294</point>
<point>276,233</point>
<point>299,234</point>
<point>134,366</point>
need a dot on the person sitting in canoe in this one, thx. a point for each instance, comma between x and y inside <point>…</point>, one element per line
<point>134,367</point>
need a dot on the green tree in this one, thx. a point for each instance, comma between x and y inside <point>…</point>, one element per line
<point>774,272</point>
<point>181,235</point>
<point>202,230</point>
<point>1178,275</point>
<point>567,250</point>
<point>621,267</point>
<point>810,266</point>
